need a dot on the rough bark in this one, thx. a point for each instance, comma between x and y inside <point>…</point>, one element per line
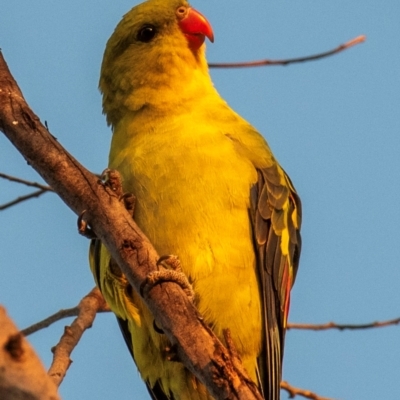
<point>22,375</point>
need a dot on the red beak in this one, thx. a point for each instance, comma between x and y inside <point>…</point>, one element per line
<point>196,28</point>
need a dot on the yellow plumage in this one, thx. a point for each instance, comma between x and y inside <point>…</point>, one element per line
<point>198,171</point>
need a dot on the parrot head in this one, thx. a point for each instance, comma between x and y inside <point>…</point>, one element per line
<point>155,55</point>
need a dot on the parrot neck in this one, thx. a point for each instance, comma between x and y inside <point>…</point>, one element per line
<point>172,81</point>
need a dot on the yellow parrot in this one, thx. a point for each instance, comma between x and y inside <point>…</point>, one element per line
<point>208,189</point>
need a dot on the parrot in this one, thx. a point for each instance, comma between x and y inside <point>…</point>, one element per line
<point>208,189</point>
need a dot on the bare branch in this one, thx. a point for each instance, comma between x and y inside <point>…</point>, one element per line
<point>197,346</point>
<point>342,327</point>
<point>25,182</point>
<point>45,323</point>
<point>59,315</point>
<point>22,375</point>
<point>21,199</point>
<point>293,392</point>
<point>43,189</point>
<point>262,63</point>
<point>87,310</point>
<point>73,312</point>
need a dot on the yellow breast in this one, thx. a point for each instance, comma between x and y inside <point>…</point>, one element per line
<point>192,190</point>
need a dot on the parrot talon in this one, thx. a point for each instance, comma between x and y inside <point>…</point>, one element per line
<point>172,272</point>
<point>83,227</point>
<point>157,329</point>
<point>129,200</point>
<point>170,261</point>
<point>112,179</point>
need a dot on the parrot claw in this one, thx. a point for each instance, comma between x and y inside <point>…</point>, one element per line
<point>157,329</point>
<point>83,227</point>
<point>129,200</point>
<point>112,179</point>
<point>171,272</point>
<point>170,261</point>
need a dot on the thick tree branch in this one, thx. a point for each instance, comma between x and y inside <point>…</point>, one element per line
<point>22,375</point>
<point>263,63</point>
<point>197,347</point>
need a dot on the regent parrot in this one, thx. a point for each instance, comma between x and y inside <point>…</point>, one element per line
<point>208,190</point>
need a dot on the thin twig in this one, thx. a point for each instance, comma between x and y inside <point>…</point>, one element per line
<point>58,316</point>
<point>42,189</point>
<point>69,312</point>
<point>25,182</point>
<point>261,63</point>
<point>22,198</point>
<point>342,327</point>
<point>87,310</point>
<point>293,392</point>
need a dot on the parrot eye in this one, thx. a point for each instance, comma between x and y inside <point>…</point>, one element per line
<point>146,33</point>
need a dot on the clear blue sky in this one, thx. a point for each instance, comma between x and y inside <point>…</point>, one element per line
<point>334,125</point>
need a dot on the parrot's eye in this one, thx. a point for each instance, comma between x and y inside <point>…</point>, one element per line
<point>146,33</point>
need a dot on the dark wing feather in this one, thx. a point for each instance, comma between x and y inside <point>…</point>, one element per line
<point>156,393</point>
<point>276,220</point>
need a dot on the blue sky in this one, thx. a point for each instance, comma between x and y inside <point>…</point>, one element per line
<point>333,124</point>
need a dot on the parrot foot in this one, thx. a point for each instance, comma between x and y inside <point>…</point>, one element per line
<point>112,179</point>
<point>172,272</point>
<point>83,227</point>
<point>129,200</point>
<point>157,328</point>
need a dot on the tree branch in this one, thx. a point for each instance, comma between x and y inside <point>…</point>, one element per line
<point>21,199</point>
<point>87,311</point>
<point>90,307</point>
<point>25,182</point>
<point>42,189</point>
<point>293,392</point>
<point>22,375</point>
<point>342,327</point>
<point>66,313</point>
<point>197,347</point>
<point>263,63</point>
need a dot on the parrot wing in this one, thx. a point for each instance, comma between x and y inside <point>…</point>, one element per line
<point>156,392</point>
<point>276,218</point>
